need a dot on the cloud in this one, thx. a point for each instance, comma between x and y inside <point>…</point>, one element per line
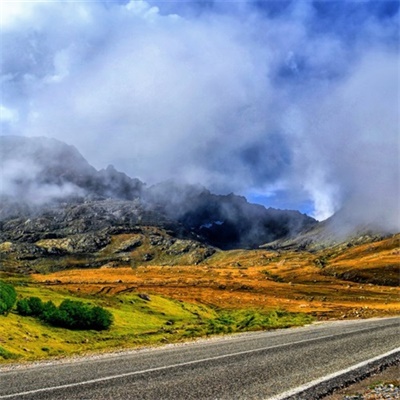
<point>351,152</point>
<point>21,180</point>
<point>8,115</point>
<point>243,97</point>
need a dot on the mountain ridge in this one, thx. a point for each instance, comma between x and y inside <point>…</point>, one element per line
<point>46,174</point>
<point>49,190</point>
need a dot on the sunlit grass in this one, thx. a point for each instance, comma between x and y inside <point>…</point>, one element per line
<point>231,291</point>
<point>153,320</point>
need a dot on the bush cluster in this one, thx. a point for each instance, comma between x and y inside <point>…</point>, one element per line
<point>70,314</point>
<point>8,296</point>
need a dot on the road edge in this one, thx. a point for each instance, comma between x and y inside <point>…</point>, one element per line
<point>326,385</point>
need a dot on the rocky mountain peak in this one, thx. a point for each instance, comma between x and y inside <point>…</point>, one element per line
<point>42,175</point>
<point>39,170</point>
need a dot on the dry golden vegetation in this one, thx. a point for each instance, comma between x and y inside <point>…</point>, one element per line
<point>359,281</point>
<point>376,263</point>
<point>228,291</point>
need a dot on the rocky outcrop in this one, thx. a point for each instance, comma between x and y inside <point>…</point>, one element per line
<point>106,216</point>
<point>128,245</point>
<point>50,192</point>
<point>76,244</point>
<point>225,221</point>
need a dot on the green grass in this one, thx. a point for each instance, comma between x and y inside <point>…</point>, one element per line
<point>137,322</point>
<point>7,355</point>
<point>250,320</point>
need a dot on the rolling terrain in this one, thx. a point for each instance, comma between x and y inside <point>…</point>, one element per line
<point>229,291</point>
<point>172,262</point>
<point>353,282</point>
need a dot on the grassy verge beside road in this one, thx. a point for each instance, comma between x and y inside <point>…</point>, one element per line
<point>139,320</point>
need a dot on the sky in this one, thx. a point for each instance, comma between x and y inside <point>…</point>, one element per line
<point>294,104</point>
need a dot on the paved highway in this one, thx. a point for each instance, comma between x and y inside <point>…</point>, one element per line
<point>262,365</point>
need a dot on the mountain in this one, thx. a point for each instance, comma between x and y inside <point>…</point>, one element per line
<point>36,170</point>
<point>225,221</point>
<point>49,189</point>
<point>341,229</point>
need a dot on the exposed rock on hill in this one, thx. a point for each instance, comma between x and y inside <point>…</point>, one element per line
<point>76,244</point>
<point>72,219</point>
<point>226,221</point>
<point>50,191</point>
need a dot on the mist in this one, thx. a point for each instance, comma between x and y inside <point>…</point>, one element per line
<point>300,98</point>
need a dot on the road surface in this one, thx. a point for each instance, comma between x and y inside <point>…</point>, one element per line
<point>262,365</point>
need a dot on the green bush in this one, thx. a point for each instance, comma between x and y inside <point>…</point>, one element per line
<point>8,297</point>
<point>36,306</point>
<point>70,314</point>
<point>33,306</point>
<point>74,314</point>
<point>77,315</point>
<point>101,319</point>
<point>23,307</point>
<point>49,311</point>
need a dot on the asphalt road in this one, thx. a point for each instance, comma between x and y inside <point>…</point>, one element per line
<point>249,366</point>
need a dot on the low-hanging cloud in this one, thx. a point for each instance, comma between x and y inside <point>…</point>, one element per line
<point>239,97</point>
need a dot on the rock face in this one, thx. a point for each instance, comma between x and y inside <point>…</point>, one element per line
<point>225,221</point>
<point>52,196</point>
<point>76,221</point>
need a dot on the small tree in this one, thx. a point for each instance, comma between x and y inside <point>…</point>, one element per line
<point>100,319</point>
<point>36,306</point>
<point>23,307</point>
<point>8,297</point>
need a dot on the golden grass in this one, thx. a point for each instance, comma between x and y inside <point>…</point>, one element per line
<point>199,299</point>
<point>260,279</point>
<point>377,263</point>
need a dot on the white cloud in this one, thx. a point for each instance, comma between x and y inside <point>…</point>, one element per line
<point>8,115</point>
<point>13,13</point>
<point>236,100</point>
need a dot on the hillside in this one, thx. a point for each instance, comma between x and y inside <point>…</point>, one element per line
<point>358,281</point>
<point>172,261</point>
<point>338,230</point>
<point>229,291</point>
<point>50,190</point>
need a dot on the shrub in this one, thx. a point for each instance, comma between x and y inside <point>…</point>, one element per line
<point>33,306</point>
<point>23,307</point>
<point>8,297</point>
<point>70,314</point>
<point>77,315</point>
<point>101,319</point>
<point>36,306</point>
<point>49,311</point>
<point>74,315</point>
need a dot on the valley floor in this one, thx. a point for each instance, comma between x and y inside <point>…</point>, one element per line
<point>360,282</point>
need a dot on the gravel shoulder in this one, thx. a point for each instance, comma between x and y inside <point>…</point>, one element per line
<point>381,385</point>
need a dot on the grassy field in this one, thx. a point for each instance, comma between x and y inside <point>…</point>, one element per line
<point>230,291</point>
<point>314,283</point>
<point>137,322</point>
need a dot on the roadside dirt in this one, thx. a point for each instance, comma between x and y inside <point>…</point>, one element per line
<point>365,388</point>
